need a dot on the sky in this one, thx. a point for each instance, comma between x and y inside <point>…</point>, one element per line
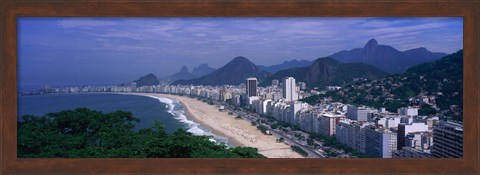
<point>100,51</point>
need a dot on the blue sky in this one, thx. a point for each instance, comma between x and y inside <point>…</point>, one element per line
<point>58,51</point>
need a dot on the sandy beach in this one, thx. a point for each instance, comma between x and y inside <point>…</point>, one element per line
<point>238,131</point>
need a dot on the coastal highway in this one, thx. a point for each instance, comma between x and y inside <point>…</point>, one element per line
<point>288,138</point>
<point>311,153</point>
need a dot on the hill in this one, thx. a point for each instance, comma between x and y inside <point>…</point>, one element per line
<point>147,80</point>
<point>202,70</point>
<point>386,57</point>
<point>183,74</point>
<point>328,71</point>
<point>286,65</point>
<point>234,72</point>
<point>436,87</point>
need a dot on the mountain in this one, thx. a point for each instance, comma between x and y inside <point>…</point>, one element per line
<point>441,81</point>
<point>183,74</point>
<point>286,65</point>
<point>147,80</point>
<point>422,53</point>
<point>233,73</point>
<point>386,57</point>
<point>202,70</point>
<point>328,71</point>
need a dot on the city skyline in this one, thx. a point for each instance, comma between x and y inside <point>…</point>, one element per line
<point>118,50</point>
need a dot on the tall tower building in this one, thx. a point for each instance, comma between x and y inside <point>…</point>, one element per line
<point>251,87</point>
<point>380,142</point>
<point>289,93</point>
<point>448,140</point>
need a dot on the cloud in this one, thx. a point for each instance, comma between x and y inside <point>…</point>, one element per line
<point>84,23</point>
<point>200,34</point>
<point>392,30</point>
<point>131,35</point>
<point>264,39</point>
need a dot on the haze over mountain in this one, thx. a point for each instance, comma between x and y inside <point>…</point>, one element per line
<point>147,80</point>
<point>234,72</point>
<point>386,57</point>
<point>285,65</point>
<point>328,71</point>
<point>202,70</point>
<point>183,74</point>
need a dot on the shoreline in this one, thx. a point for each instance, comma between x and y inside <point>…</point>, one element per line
<point>189,115</point>
<point>192,117</point>
<point>238,131</point>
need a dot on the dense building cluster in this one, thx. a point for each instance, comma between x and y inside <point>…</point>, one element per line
<point>376,132</point>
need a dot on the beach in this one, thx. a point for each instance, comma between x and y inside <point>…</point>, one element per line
<point>238,131</point>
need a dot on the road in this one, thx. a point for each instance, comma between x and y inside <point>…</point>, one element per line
<point>288,138</point>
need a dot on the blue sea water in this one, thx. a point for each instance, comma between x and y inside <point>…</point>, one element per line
<point>147,109</point>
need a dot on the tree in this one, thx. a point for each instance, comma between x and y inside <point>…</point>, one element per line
<point>84,133</point>
<point>426,110</point>
<point>310,141</point>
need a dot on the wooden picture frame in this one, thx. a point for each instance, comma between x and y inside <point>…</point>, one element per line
<point>10,11</point>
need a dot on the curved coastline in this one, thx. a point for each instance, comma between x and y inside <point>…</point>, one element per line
<point>238,132</point>
<point>184,115</point>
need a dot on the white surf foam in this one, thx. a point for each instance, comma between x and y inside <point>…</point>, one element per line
<point>179,115</point>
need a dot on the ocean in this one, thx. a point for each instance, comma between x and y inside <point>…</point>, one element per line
<point>147,109</point>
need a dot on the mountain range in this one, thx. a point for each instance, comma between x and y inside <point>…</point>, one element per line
<point>234,72</point>
<point>373,61</point>
<point>184,74</point>
<point>386,57</point>
<point>202,69</point>
<point>440,80</point>
<point>328,71</point>
<point>285,65</point>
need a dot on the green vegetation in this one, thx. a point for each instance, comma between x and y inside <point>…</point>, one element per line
<point>274,126</point>
<point>299,150</point>
<point>262,128</point>
<point>84,133</point>
<point>310,142</point>
<point>330,141</point>
<point>441,79</point>
<point>328,71</point>
<point>254,124</point>
<point>426,110</point>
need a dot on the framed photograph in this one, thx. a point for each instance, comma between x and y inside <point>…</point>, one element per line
<point>239,87</point>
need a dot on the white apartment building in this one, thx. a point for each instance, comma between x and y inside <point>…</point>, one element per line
<point>289,89</point>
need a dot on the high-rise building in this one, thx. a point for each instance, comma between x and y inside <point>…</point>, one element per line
<point>358,113</point>
<point>422,140</point>
<point>289,89</point>
<point>380,142</point>
<point>352,133</point>
<point>251,87</point>
<point>302,85</point>
<point>294,108</point>
<point>327,123</point>
<point>404,129</point>
<point>407,152</point>
<point>448,140</point>
<point>408,111</point>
